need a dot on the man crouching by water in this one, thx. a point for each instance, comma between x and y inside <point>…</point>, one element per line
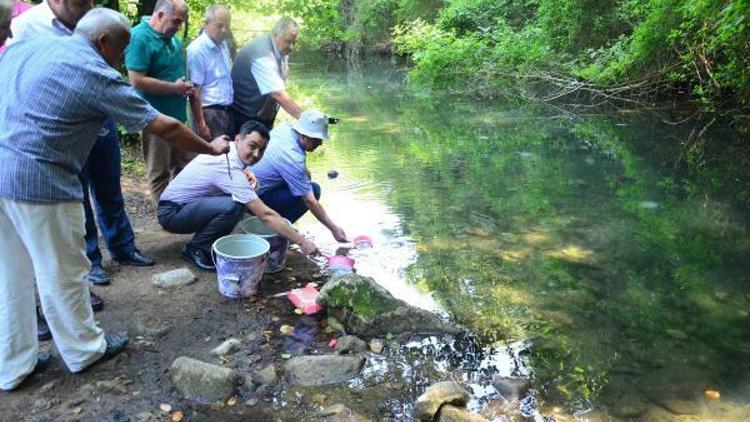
<point>210,196</point>
<point>56,94</point>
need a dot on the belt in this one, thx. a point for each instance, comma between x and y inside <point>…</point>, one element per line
<point>218,107</point>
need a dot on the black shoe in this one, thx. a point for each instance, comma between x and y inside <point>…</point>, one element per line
<point>42,329</point>
<point>136,259</point>
<point>115,344</point>
<point>198,258</point>
<point>97,304</point>
<point>98,275</point>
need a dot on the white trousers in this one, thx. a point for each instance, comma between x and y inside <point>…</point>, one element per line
<point>45,242</point>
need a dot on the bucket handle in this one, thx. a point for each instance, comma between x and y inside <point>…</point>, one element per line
<point>213,258</point>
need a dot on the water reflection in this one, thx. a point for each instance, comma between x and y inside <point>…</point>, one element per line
<point>623,256</point>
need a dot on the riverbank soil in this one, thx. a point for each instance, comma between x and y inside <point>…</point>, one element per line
<point>163,325</point>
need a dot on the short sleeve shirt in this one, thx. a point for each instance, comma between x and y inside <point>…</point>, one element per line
<point>210,68</point>
<point>158,57</point>
<point>52,108</point>
<point>208,175</point>
<point>269,72</point>
<point>284,162</point>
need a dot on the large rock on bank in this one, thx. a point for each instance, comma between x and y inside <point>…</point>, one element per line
<point>437,395</point>
<point>367,309</point>
<point>310,371</point>
<point>202,382</point>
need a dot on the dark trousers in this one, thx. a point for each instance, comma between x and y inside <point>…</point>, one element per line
<point>217,120</point>
<point>100,179</point>
<point>209,218</point>
<point>291,207</point>
<point>237,119</point>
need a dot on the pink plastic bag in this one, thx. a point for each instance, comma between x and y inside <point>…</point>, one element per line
<point>304,299</point>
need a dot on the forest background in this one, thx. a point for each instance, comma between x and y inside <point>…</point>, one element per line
<point>642,50</point>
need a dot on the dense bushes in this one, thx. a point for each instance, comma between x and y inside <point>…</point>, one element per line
<point>701,47</point>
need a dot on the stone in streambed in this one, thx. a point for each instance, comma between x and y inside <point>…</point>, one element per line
<point>265,376</point>
<point>310,371</point>
<point>201,381</point>
<point>175,278</point>
<point>450,413</point>
<point>377,345</point>
<point>437,395</point>
<point>227,347</point>
<point>350,345</point>
<point>367,309</point>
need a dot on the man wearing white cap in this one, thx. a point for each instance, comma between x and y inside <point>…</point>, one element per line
<point>282,174</point>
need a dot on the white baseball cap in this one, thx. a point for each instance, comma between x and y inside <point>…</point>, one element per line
<point>312,123</point>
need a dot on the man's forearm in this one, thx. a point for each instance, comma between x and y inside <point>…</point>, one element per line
<point>178,135</point>
<point>319,212</point>
<point>151,85</point>
<point>287,103</point>
<point>197,108</point>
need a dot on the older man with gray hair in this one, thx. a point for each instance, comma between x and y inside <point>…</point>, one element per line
<point>210,69</point>
<point>259,75</point>
<point>57,92</point>
<point>156,68</point>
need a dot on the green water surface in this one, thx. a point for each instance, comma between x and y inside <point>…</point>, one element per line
<point>619,251</point>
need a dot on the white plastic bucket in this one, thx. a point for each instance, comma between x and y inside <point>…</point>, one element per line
<point>240,260</point>
<point>278,243</point>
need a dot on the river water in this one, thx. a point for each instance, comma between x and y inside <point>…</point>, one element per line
<point>614,245</point>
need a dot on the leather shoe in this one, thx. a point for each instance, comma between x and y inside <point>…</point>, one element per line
<point>136,259</point>
<point>115,344</point>
<point>198,258</point>
<point>97,304</point>
<point>98,275</point>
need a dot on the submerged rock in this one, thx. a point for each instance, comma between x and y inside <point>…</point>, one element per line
<point>450,413</point>
<point>437,395</point>
<point>365,308</point>
<point>310,371</point>
<point>350,344</point>
<point>511,388</point>
<point>265,376</point>
<point>201,381</point>
<point>377,345</point>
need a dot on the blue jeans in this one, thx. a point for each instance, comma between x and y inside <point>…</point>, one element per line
<point>210,218</point>
<point>291,207</point>
<point>100,178</point>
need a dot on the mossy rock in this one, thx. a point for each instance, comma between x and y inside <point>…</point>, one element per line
<point>367,309</point>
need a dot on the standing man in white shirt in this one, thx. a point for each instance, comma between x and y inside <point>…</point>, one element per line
<point>50,17</point>
<point>259,77</point>
<point>210,67</point>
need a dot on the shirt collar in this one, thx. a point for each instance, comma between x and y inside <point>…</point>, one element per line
<point>205,39</point>
<point>147,21</point>
<point>236,155</point>
<point>54,21</point>
<point>276,50</point>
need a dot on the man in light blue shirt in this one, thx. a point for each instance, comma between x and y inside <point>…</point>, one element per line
<point>100,176</point>
<point>57,93</point>
<point>209,197</point>
<point>284,180</point>
<point>210,69</point>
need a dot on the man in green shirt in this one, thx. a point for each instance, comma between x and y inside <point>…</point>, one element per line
<point>156,68</point>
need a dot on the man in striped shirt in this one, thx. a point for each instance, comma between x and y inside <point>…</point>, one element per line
<point>57,92</point>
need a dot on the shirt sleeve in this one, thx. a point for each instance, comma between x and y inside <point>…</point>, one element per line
<point>237,186</point>
<point>265,70</point>
<point>136,55</point>
<point>196,66</point>
<point>119,100</point>
<point>295,175</point>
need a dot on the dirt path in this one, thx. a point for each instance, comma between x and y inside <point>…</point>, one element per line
<point>163,325</point>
